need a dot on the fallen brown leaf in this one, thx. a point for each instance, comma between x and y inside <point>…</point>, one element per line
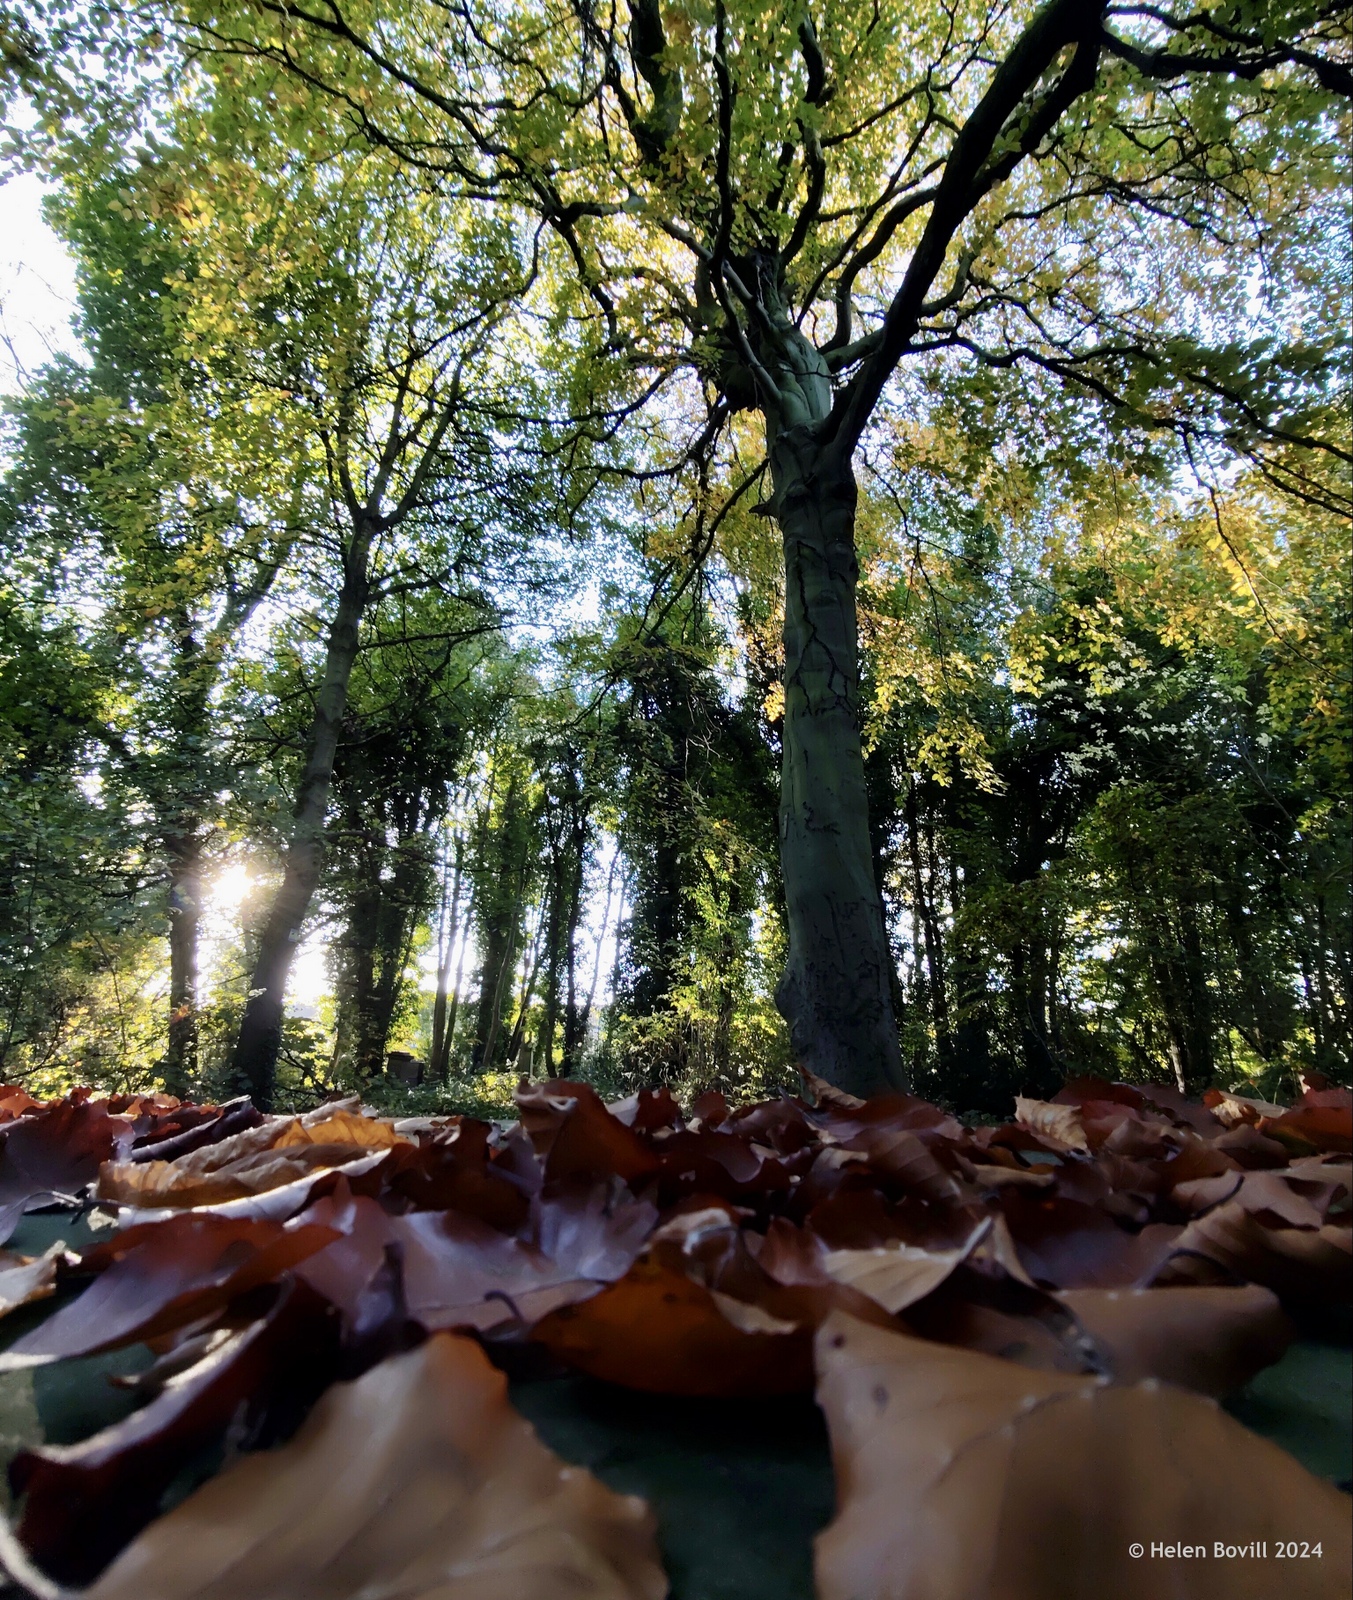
<point>1233,1109</point>
<point>1208,1339</point>
<point>658,1330</point>
<point>577,1137</point>
<point>332,1125</point>
<point>254,1161</point>
<point>897,1274</point>
<point>160,1276</point>
<point>1321,1120</point>
<point>55,1149</point>
<point>1062,1123</point>
<point>982,1307</point>
<point>965,1477</point>
<point>1068,1244</point>
<point>84,1502</point>
<point>417,1482</point>
<point>1302,1265</point>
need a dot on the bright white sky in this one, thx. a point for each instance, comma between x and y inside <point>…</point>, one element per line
<point>37,285</point>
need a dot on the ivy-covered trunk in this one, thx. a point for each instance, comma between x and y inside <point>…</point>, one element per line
<point>253,1065</point>
<point>836,991</point>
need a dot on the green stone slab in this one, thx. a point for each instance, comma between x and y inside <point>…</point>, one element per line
<point>1305,1404</point>
<point>40,1230</point>
<point>739,1487</point>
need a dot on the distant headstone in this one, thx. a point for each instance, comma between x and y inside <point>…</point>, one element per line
<point>404,1067</point>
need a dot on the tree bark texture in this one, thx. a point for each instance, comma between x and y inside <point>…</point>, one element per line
<point>836,991</point>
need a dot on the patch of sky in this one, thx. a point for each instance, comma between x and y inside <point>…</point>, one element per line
<point>37,286</point>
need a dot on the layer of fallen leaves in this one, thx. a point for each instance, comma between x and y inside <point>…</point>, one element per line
<point>1101,1244</point>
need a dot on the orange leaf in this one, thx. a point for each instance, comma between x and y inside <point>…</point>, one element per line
<point>660,1331</point>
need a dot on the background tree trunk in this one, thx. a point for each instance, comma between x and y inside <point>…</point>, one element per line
<point>253,1065</point>
<point>440,1055</point>
<point>185,915</point>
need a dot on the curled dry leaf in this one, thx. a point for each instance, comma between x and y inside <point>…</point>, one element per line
<point>990,1176</point>
<point>1062,1123</point>
<point>826,1096</point>
<point>166,1135</point>
<point>455,1169</point>
<point>963,1476</point>
<point>1302,1265</point>
<point>24,1279</point>
<point>332,1125</point>
<point>649,1109</point>
<point>577,1137</point>
<point>1231,1110</point>
<point>1204,1338</point>
<point>837,1121</point>
<point>897,1274</point>
<point>416,1481</point>
<point>157,1185</point>
<point>14,1101</point>
<point>254,1161</point>
<point>901,1156</point>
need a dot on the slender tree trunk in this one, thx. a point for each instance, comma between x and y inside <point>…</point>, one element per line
<point>359,962</point>
<point>253,1065</point>
<point>440,1060</point>
<point>387,938</point>
<point>554,918</point>
<point>925,911</point>
<point>185,915</point>
<point>1179,971</point>
<point>454,1007</point>
<point>836,992</point>
<point>403,901</point>
<point>585,1014</point>
<point>575,1024</point>
<point>531,972</point>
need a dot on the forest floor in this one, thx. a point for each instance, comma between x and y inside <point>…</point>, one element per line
<point>741,1484</point>
<point>740,1487</point>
